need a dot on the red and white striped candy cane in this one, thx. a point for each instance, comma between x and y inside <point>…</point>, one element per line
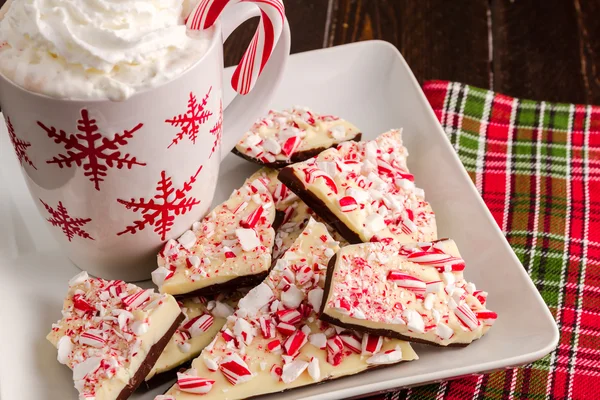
<point>272,17</point>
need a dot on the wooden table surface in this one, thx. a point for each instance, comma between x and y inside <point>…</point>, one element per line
<point>536,49</point>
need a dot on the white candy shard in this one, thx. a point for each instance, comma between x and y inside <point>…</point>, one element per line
<point>65,346</point>
<point>292,297</point>
<point>248,239</point>
<point>187,240</point>
<point>292,371</point>
<point>159,275</point>
<point>314,369</point>
<point>315,298</point>
<point>222,310</point>
<point>388,357</point>
<point>82,369</point>
<point>79,278</point>
<point>414,320</point>
<point>319,340</point>
<point>256,298</point>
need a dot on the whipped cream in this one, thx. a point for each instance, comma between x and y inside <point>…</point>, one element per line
<point>97,49</point>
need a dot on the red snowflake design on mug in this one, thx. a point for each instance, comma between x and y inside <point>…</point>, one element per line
<point>189,123</point>
<point>160,211</point>
<point>70,226</point>
<point>217,130</point>
<point>91,150</point>
<point>20,145</point>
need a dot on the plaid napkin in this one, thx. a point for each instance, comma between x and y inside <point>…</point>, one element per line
<point>537,166</point>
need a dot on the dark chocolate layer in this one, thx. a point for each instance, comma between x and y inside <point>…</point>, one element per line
<point>289,179</point>
<point>233,284</point>
<point>155,352</point>
<point>296,157</point>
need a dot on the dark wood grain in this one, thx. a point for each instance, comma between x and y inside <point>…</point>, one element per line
<point>538,50</point>
<point>446,40</point>
<point>588,23</point>
<point>307,20</point>
<point>543,50</point>
<point>439,39</point>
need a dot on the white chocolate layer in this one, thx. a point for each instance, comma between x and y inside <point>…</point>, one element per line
<point>367,186</point>
<point>183,346</point>
<point>401,288</point>
<point>104,338</point>
<point>275,301</point>
<point>280,135</point>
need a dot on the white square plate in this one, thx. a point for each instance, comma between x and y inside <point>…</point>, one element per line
<point>370,84</point>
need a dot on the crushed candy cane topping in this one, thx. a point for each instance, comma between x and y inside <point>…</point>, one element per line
<point>416,290</point>
<point>202,317</point>
<point>368,187</point>
<point>234,239</point>
<point>281,134</point>
<point>103,329</point>
<point>275,331</point>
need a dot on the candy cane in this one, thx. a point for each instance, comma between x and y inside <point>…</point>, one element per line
<point>206,13</point>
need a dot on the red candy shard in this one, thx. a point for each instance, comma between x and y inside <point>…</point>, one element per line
<point>328,181</point>
<point>294,343</point>
<point>371,344</point>
<point>407,282</point>
<point>274,345</point>
<point>351,342</point>
<point>135,300</point>
<point>199,324</point>
<point>267,328</point>
<point>290,145</point>
<point>466,316</point>
<point>81,304</point>
<point>285,328</point>
<point>253,218</point>
<point>235,369</point>
<point>348,203</point>
<point>289,316</point>
<point>194,384</point>
<point>335,348</point>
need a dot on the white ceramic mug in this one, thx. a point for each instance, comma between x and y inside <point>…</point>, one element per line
<point>115,180</point>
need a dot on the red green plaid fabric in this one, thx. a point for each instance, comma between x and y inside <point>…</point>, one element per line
<point>537,166</point>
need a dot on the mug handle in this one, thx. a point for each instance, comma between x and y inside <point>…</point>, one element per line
<point>256,91</point>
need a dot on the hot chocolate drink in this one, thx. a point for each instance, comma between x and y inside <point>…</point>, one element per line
<point>97,49</point>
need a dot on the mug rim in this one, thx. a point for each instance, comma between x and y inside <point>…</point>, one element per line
<point>216,37</point>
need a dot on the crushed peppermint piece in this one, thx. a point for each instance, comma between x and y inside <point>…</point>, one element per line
<point>292,296</point>
<point>235,370</point>
<point>292,371</point>
<point>387,357</point>
<point>187,239</point>
<point>193,384</point>
<point>248,239</point>
<point>314,369</point>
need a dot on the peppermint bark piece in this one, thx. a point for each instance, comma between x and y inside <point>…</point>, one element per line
<point>364,190</point>
<point>294,135</point>
<point>111,334</point>
<point>292,213</point>
<point>230,248</point>
<point>415,292</point>
<point>275,342</point>
<point>204,318</point>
